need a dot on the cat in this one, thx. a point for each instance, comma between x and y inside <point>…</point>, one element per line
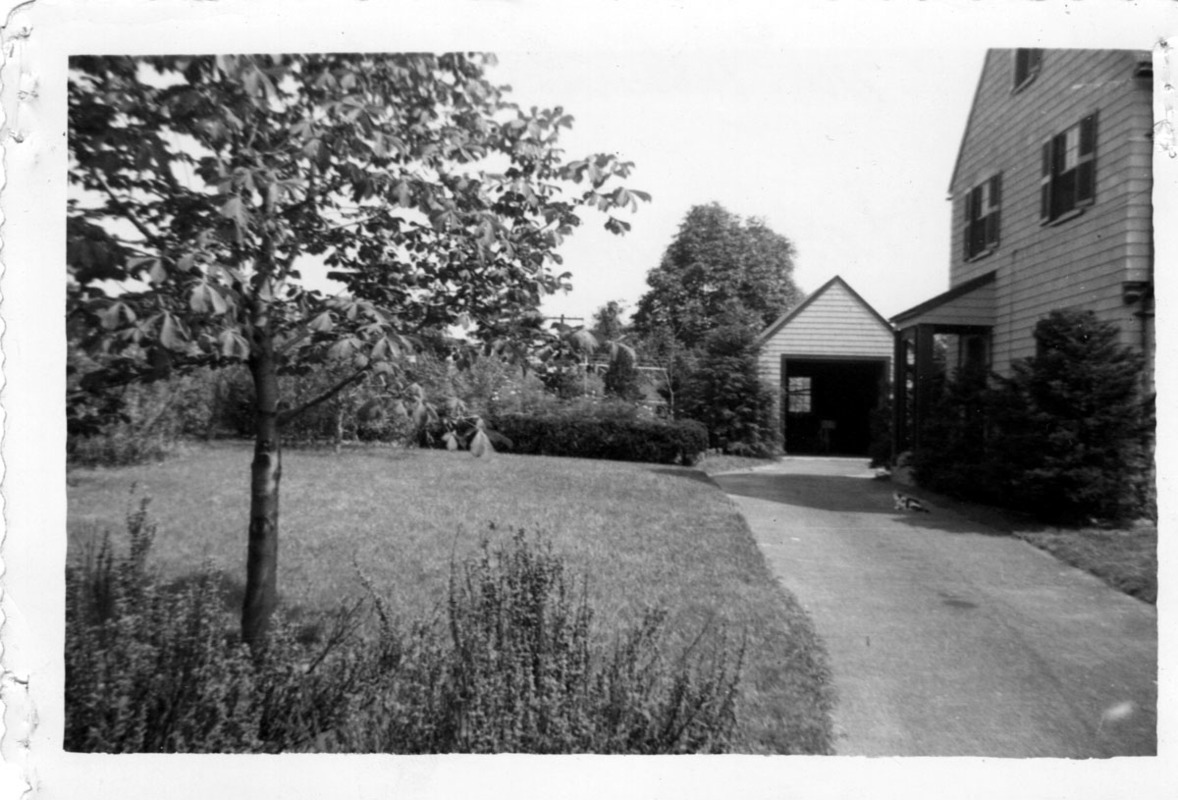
<point>903,502</point>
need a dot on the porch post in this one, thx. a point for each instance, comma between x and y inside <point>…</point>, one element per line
<point>899,395</point>
<point>923,380</point>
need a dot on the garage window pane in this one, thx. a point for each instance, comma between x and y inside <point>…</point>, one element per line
<point>799,395</point>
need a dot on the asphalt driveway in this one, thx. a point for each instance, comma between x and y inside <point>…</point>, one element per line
<point>946,637</point>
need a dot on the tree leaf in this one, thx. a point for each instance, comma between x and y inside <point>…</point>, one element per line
<point>481,445</point>
<point>171,334</point>
<point>322,323</point>
<point>234,209</point>
<point>233,345</point>
<point>220,304</point>
<point>342,349</point>
<point>199,301</point>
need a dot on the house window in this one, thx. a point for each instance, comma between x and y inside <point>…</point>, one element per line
<point>1068,173</point>
<point>982,204</point>
<point>1026,66</point>
<point>799,395</point>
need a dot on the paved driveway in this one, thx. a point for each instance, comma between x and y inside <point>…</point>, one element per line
<point>947,638</point>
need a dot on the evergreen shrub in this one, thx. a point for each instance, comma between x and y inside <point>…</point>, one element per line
<point>726,393</point>
<point>1066,436</point>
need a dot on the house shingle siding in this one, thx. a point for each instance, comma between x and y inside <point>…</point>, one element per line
<point>1081,261</point>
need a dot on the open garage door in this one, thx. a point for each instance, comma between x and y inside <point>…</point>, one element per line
<point>829,403</point>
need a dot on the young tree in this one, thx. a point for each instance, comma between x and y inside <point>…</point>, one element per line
<point>203,188</point>
<point>621,378</point>
<point>607,321</point>
<point>725,392</point>
<point>719,270</point>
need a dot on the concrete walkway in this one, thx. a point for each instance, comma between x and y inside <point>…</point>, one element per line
<point>947,638</point>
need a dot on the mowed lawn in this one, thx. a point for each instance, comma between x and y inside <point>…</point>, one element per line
<point>643,535</point>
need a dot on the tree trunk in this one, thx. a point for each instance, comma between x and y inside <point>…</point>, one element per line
<point>261,579</point>
<point>339,427</point>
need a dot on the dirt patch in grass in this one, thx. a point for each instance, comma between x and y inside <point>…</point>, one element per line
<point>643,536</point>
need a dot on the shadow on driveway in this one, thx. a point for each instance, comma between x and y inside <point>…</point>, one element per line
<point>854,495</point>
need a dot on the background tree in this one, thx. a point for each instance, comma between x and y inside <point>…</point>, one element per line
<point>203,188</point>
<point>622,378</point>
<point>719,270</point>
<point>725,392</point>
<point>607,321</point>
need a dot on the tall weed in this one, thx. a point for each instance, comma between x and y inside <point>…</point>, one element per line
<point>512,665</point>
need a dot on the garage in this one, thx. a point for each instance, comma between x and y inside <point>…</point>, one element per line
<point>829,361</point>
<point>829,404</point>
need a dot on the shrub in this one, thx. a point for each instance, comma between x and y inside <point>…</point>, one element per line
<point>1065,437</point>
<point>523,672</point>
<point>489,386</point>
<point>954,456</point>
<point>515,666</point>
<point>608,437</point>
<point>725,392</point>
<point>135,423</point>
<point>622,378</point>
<point>880,449</point>
<point>1072,419</point>
<point>157,667</point>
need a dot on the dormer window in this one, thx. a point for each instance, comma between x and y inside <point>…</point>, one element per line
<point>1068,173</point>
<point>1026,66</point>
<point>982,209</point>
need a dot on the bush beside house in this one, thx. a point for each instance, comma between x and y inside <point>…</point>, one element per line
<point>1066,436</point>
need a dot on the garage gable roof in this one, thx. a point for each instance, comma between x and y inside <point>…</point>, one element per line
<point>785,318</point>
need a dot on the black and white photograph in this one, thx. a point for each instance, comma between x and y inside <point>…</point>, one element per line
<point>510,399</point>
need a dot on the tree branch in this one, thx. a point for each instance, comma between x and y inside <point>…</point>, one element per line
<point>287,416</point>
<point>131,216</point>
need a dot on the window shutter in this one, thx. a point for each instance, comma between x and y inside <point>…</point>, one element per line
<point>1086,170</point>
<point>1045,184</point>
<point>967,226</point>
<point>1088,135</point>
<point>994,211</point>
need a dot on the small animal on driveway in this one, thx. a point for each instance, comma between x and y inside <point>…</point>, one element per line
<point>903,502</point>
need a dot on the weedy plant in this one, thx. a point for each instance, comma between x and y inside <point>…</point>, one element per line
<point>511,665</point>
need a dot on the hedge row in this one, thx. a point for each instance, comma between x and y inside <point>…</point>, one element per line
<point>650,440</point>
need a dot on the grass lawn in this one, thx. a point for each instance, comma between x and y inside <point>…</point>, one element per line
<point>714,464</point>
<point>1124,559</point>
<point>644,535</point>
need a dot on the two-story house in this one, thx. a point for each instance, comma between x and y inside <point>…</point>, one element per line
<point>1052,209</point>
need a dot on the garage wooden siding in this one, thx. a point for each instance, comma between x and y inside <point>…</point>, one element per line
<point>834,324</point>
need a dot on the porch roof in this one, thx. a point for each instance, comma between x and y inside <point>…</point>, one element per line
<point>968,304</point>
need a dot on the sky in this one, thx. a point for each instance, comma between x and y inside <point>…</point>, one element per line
<point>847,153</point>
